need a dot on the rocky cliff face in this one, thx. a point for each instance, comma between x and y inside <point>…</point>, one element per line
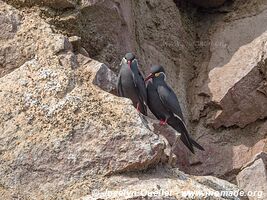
<point>228,92</point>
<point>63,132</point>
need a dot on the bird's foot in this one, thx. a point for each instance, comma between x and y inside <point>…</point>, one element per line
<point>163,122</point>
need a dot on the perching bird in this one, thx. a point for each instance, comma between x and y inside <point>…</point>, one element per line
<point>164,104</point>
<point>131,83</point>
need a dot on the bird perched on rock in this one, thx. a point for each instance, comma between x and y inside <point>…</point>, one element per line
<point>131,83</point>
<point>164,104</point>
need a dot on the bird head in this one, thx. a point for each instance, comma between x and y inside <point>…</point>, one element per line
<point>128,59</point>
<point>157,71</point>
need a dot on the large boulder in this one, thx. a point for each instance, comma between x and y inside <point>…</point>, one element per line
<point>168,184</point>
<point>239,86</point>
<point>229,101</point>
<point>253,178</point>
<point>236,73</point>
<point>57,127</point>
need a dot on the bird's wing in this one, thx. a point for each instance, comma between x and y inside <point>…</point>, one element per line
<point>140,84</point>
<point>170,101</point>
<point>142,87</point>
<point>119,86</point>
<point>180,127</point>
<point>142,92</point>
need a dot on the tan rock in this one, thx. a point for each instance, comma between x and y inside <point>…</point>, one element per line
<point>63,134</point>
<point>57,4</point>
<point>10,57</point>
<point>234,86</point>
<point>243,154</point>
<point>9,22</point>
<point>166,184</point>
<point>60,127</point>
<point>253,179</point>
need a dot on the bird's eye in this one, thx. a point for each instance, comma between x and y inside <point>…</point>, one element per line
<point>157,74</point>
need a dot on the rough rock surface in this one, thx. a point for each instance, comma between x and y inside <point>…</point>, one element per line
<point>153,30</point>
<point>228,90</point>
<point>57,127</point>
<point>256,170</point>
<point>15,47</point>
<point>57,4</point>
<point>166,184</point>
<point>208,3</point>
<point>63,136</point>
<point>236,79</point>
<point>239,85</point>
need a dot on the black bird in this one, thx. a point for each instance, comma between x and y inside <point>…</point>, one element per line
<point>131,83</point>
<point>164,104</point>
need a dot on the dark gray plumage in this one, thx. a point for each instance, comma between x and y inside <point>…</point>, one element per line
<point>164,104</point>
<point>131,83</point>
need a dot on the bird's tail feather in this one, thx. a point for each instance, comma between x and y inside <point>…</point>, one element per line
<point>198,146</point>
<point>180,127</point>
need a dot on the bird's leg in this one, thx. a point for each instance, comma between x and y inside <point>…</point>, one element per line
<point>163,122</point>
<point>138,107</point>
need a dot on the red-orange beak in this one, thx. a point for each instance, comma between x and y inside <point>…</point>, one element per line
<point>129,64</point>
<point>149,77</point>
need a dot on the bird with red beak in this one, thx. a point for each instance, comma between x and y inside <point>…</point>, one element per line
<point>164,104</point>
<point>131,83</point>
